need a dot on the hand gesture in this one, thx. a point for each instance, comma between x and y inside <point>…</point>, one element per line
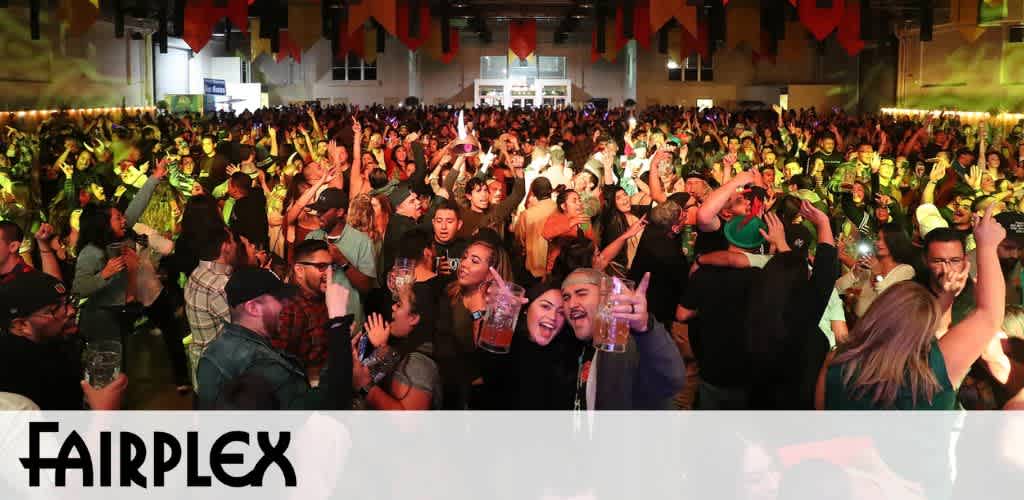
<point>974,177</point>
<point>107,398</point>
<point>67,169</point>
<point>579,219</point>
<point>112,267</point>
<point>776,233</point>
<point>953,281</point>
<point>357,129</point>
<point>160,172</point>
<point>632,306</point>
<point>636,227</point>
<point>336,296</point>
<point>232,169</point>
<point>377,330</point>
<point>496,279</point>
<point>988,232</point>
<point>777,109</point>
<point>938,171</point>
<point>876,162</point>
<point>45,233</point>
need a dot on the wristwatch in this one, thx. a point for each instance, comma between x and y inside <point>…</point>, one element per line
<point>364,391</point>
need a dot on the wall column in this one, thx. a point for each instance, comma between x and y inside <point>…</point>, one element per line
<point>630,86</point>
<point>414,75</point>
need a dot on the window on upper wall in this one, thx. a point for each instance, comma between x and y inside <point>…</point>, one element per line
<point>692,69</point>
<point>354,69</point>
<point>493,66</point>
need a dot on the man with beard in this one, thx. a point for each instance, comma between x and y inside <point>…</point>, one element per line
<point>301,331</point>
<point>256,298</point>
<point>647,375</point>
<point>41,355</point>
<point>1009,254</point>
<point>351,250</point>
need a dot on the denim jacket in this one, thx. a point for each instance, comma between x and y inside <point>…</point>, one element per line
<point>238,351</point>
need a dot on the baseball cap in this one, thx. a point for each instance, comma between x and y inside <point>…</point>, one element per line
<point>327,199</point>
<point>928,218</point>
<point>1013,222</point>
<point>248,283</point>
<point>28,293</point>
<point>398,195</point>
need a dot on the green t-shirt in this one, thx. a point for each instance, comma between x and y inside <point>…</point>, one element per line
<point>357,247</point>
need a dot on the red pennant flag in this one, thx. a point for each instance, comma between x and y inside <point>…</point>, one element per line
<point>620,29</point>
<point>849,29</point>
<point>522,38</point>
<point>286,47</point>
<point>642,23</point>
<point>237,11</point>
<point>356,42</point>
<point>199,21</point>
<point>820,22</point>
<point>690,44</point>
<point>402,22</point>
<point>453,46</point>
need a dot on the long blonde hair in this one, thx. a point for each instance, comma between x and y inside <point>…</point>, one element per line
<point>360,214</point>
<point>888,348</point>
<point>499,261</point>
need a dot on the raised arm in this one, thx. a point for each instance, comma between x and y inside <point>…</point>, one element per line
<point>657,190</point>
<point>141,199</point>
<point>965,342</point>
<point>355,172</point>
<point>707,214</point>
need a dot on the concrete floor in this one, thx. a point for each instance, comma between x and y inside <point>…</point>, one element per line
<point>150,379</point>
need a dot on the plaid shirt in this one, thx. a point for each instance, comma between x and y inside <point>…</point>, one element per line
<point>20,267</point>
<point>206,303</point>
<point>301,331</point>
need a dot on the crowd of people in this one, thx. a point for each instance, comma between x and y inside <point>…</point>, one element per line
<point>773,260</point>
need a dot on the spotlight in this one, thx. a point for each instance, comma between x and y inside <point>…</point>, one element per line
<point>672,64</point>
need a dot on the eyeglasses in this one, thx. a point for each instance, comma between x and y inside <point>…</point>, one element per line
<point>320,266</point>
<point>955,261</point>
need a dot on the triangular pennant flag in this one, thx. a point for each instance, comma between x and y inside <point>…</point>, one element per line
<point>686,14</point>
<point>660,12</point>
<point>820,21</point>
<point>849,29</point>
<point>453,46</point>
<point>613,42</point>
<point>743,25</point>
<point>384,11</point>
<point>257,45</point>
<point>964,14</point>
<point>237,11</point>
<point>402,25</point>
<point>642,23</point>
<point>199,21</point>
<point>620,29</point>
<point>690,44</point>
<point>522,38</point>
<point>370,43</point>
<point>78,15</point>
<point>433,46</point>
<point>286,47</point>
<point>304,19</point>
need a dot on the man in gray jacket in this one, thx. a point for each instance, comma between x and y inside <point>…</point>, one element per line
<point>648,374</point>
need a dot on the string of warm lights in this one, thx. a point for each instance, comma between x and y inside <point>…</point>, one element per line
<point>84,111</point>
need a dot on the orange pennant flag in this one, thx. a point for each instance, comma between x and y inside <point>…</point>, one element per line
<point>964,14</point>
<point>794,46</point>
<point>743,25</point>
<point>304,21</point>
<point>359,11</point>
<point>78,15</point>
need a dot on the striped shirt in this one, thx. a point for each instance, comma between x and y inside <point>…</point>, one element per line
<point>206,303</point>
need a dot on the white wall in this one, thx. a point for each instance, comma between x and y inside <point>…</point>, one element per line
<point>180,71</point>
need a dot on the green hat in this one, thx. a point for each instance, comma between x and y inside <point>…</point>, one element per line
<point>673,139</point>
<point>745,233</point>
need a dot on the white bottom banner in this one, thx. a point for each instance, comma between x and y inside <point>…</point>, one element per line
<point>523,455</point>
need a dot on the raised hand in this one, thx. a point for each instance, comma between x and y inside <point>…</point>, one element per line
<point>377,330</point>
<point>636,227</point>
<point>776,232</point>
<point>988,232</point>
<point>632,305</point>
<point>938,171</point>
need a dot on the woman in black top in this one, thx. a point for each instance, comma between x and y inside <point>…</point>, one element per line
<point>542,368</point>
<point>784,342</point>
<point>616,217</point>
